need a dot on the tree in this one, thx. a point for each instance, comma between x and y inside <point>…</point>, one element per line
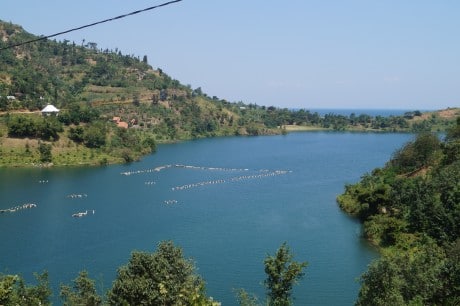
<point>163,95</point>
<point>76,134</point>
<point>48,128</point>
<point>282,274</point>
<point>149,142</point>
<point>454,132</point>
<point>155,99</point>
<point>381,284</point>
<point>45,152</point>
<point>164,277</point>
<point>13,291</point>
<point>246,299</point>
<point>82,292</point>
<point>406,278</point>
<point>416,154</point>
<point>3,103</point>
<point>95,135</point>
<point>136,100</point>
<point>452,145</point>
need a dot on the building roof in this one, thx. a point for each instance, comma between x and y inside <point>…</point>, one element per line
<point>122,124</point>
<point>50,109</point>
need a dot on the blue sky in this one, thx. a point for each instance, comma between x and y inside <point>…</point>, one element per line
<point>387,54</point>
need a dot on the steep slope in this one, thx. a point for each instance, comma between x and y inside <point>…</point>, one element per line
<point>63,73</point>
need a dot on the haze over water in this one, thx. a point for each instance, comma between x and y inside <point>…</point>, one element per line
<point>231,202</point>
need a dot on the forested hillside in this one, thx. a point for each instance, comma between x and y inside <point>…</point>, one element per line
<point>115,107</point>
<point>92,86</point>
<point>411,209</point>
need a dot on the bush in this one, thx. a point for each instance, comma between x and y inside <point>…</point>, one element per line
<point>416,154</point>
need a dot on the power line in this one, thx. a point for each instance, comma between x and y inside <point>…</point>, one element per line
<point>90,25</point>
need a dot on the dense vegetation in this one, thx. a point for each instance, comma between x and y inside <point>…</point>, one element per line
<point>164,277</point>
<point>411,209</point>
<point>91,86</point>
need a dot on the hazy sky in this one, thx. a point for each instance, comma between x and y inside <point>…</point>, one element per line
<point>300,53</point>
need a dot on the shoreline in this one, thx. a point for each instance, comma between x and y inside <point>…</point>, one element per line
<point>97,158</point>
<point>22,152</point>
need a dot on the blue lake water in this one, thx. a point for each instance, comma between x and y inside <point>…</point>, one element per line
<point>371,112</point>
<point>238,199</point>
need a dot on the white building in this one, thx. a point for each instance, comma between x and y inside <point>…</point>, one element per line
<point>50,110</point>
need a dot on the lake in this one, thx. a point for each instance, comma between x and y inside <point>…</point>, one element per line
<point>228,202</point>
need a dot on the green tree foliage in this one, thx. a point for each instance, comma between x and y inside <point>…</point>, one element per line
<point>426,202</point>
<point>45,152</point>
<point>416,277</point>
<point>149,142</point>
<point>46,128</point>
<point>3,103</point>
<point>381,285</point>
<point>452,145</point>
<point>21,126</point>
<point>451,275</point>
<point>416,154</point>
<point>411,208</point>
<point>370,196</point>
<point>14,291</point>
<point>95,135</point>
<point>164,277</point>
<point>453,134</point>
<point>126,138</point>
<point>282,274</point>
<point>77,114</point>
<point>246,299</point>
<point>82,292</point>
<point>77,134</point>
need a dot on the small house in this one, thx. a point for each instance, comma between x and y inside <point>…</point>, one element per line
<point>122,124</point>
<point>50,110</point>
<point>119,123</point>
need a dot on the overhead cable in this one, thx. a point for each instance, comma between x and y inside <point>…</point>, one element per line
<point>89,25</point>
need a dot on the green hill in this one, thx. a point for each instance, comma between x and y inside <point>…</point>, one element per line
<point>91,87</point>
<point>66,74</point>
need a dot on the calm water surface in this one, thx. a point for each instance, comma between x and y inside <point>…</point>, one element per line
<point>243,197</point>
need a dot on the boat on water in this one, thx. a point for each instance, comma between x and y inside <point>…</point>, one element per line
<point>82,214</point>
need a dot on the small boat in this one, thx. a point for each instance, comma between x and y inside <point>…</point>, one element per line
<point>80,214</point>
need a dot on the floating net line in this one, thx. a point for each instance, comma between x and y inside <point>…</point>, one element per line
<point>232,179</point>
<point>190,167</point>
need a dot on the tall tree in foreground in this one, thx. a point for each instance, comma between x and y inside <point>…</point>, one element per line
<point>13,291</point>
<point>164,277</point>
<point>83,292</point>
<point>282,274</point>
